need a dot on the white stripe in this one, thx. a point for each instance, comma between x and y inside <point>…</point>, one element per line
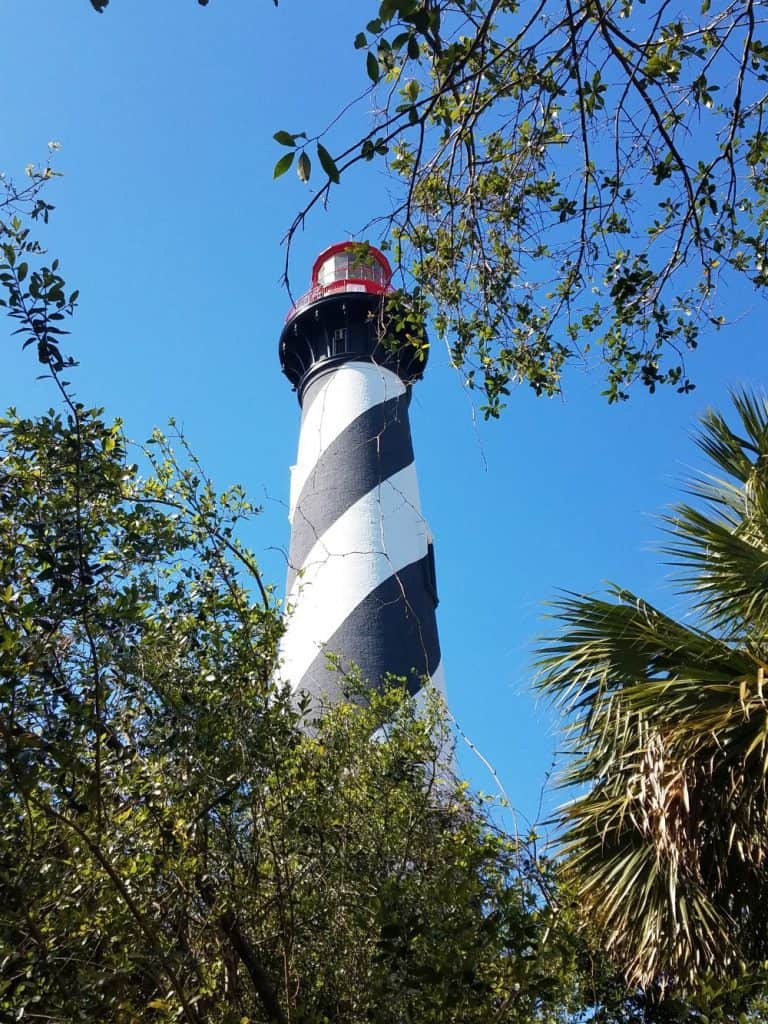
<point>339,398</point>
<point>375,538</point>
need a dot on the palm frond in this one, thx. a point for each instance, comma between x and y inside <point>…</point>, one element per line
<point>666,725</point>
<point>724,569</point>
<point>729,450</point>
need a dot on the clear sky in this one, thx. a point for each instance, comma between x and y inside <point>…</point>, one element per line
<point>169,223</point>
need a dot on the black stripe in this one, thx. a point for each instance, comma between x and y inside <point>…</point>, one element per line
<point>393,630</point>
<point>375,446</point>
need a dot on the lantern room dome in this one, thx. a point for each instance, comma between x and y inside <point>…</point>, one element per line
<point>346,267</point>
<point>350,261</point>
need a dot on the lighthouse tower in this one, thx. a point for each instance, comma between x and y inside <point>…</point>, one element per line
<point>361,585</point>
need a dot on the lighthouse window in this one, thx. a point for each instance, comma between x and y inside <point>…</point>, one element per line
<point>344,265</point>
<point>339,343</point>
<point>335,268</point>
<point>374,272</point>
<point>369,270</point>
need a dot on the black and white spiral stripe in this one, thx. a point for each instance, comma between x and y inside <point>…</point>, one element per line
<point>361,573</point>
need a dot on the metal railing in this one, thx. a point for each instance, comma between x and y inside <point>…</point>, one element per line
<point>349,284</point>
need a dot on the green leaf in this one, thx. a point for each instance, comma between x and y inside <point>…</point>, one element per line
<point>304,167</point>
<point>328,163</point>
<point>283,164</point>
<point>360,41</point>
<point>284,138</point>
<point>372,67</point>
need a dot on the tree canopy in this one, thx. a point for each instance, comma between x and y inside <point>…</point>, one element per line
<point>175,845</point>
<point>576,179</point>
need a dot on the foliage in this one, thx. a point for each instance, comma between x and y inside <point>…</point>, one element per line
<point>669,732</point>
<point>576,178</point>
<point>26,200</point>
<point>34,292</point>
<point>175,845</point>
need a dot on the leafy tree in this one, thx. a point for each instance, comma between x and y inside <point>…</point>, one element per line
<point>667,836</point>
<point>576,178</point>
<point>175,846</point>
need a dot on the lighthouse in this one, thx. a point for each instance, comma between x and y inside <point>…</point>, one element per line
<point>361,589</point>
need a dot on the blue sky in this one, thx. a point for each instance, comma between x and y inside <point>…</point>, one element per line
<point>169,223</point>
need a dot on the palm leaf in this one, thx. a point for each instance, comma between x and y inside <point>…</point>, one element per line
<point>666,725</point>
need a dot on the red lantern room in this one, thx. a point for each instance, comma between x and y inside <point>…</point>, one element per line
<point>346,267</point>
<point>339,319</point>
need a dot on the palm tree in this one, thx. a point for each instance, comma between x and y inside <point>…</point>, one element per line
<point>667,731</point>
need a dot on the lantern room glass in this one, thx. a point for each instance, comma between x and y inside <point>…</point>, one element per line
<point>342,266</point>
